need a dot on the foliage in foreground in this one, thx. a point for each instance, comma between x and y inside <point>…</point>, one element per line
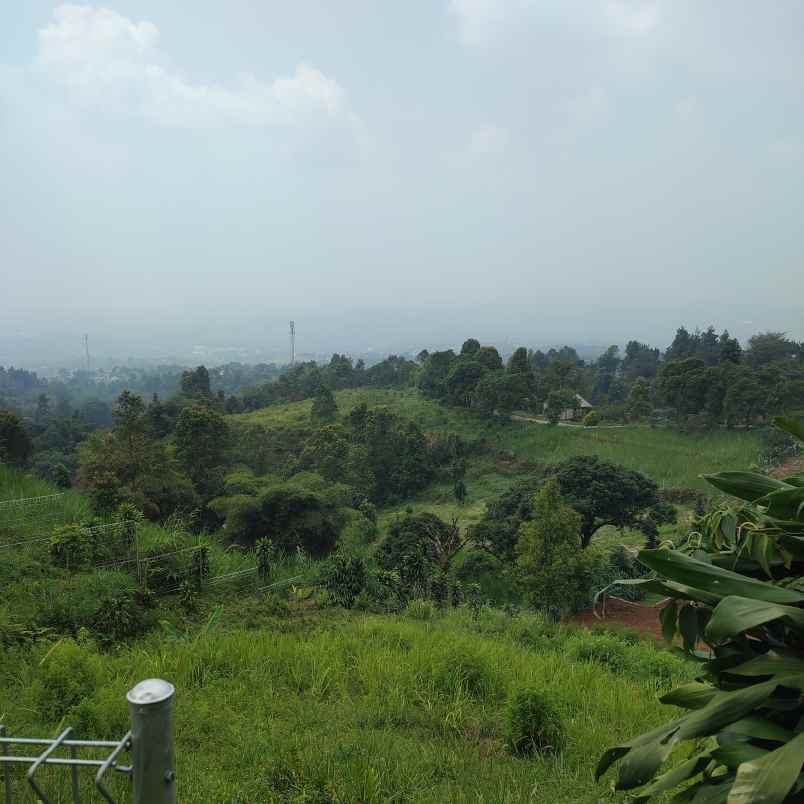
<point>736,586</point>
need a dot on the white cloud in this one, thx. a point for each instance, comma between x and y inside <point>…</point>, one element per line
<point>633,17</point>
<point>105,60</point>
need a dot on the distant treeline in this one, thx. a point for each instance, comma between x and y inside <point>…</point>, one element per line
<point>701,380</point>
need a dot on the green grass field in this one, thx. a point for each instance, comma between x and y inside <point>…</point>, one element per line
<point>672,459</point>
<point>353,707</point>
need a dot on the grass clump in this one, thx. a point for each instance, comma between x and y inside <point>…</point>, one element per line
<point>533,724</point>
<point>419,609</point>
<point>638,661</point>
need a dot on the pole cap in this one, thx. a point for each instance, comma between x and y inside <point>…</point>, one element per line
<point>151,691</point>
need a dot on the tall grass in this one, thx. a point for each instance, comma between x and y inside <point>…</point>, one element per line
<point>361,708</point>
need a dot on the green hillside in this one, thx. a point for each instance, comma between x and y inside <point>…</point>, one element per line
<point>671,458</point>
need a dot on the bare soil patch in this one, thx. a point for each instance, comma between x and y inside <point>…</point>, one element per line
<point>625,614</point>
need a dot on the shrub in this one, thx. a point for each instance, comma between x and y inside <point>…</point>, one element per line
<point>640,661</point>
<point>68,674</point>
<point>552,566</point>
<point>419,609</point>
<point>106,603</point>
<point>459,669</point>
<point>538,633</point>
<point>344,577</point>
<point>592,419</point>
<point>533,724</point>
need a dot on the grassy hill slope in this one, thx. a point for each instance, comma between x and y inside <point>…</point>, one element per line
<point>671,458</point>
<point>351,707</point>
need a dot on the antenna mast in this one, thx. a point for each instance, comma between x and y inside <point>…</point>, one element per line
<point>292,343</point>
<point>86,349</point>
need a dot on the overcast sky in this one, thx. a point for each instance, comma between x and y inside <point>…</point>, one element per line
<point>396,174</point>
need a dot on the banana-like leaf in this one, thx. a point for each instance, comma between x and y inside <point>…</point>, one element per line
<point>768,779</point>
<point>770,664</point>
<point>748,486</point>
<point>615,752</point>
<point>758,728</point>
<point>667,781</point>
<point>694,695</point>
<point>640,764</point>
<point>668,619</point>
<point>664,588</point>
<point>761,549</point>
<point>688,625</point>
<point>735,615</point>
<point>792,426</point>
<point>785,503</point>
<point>734,753</point>
<point>722,710</point>
<point>713,580</point>
<point>708,791</point>
<point>791,543</point>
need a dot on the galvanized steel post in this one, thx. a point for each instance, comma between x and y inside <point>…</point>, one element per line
<point>151,707</point>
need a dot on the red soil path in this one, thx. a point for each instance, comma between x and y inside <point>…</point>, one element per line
<point>624,614</point>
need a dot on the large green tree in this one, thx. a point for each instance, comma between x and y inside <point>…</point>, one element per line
<point>15,443</point>
<point>551,564</point>
<point>604,493</point>
<point>201,435</point>
<point>324,408</point>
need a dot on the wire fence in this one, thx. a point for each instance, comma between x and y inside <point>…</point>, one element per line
<point>157,572</point>
<point>27,510</point>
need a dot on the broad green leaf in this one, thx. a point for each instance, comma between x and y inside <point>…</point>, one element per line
<point>760,549</point>
<point>668,618</point>
<point>735,753</point>
<point>641,764</point>
<point>658,586</point>
<point>728,524</point>
<point>612,754</point>
<point>674,777</point>
<point>735,615</point>
<point>748,486</point>
<point>785,503</point>
<point>792,426</point>
<point>694,695</point>
<point>770,663</point>
<point>759,728</point>
<point>768,779</point>
<point>713,580</point>
<point>794,544</point>
<point>722,710</point>
<point>709,791</point>
<point>688,625</point>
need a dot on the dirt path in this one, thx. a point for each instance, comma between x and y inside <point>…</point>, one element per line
<point>623,613</point>
<point>521,417</point>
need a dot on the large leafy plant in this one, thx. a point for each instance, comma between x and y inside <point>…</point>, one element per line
<point>737,600</point>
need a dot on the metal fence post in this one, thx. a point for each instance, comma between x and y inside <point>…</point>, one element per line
<point>151,708</point>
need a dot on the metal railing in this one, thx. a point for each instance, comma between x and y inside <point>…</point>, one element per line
<point>150,743</point>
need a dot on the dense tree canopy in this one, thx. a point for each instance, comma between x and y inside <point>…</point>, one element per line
<point>604,493</point>
<point>15,444</point>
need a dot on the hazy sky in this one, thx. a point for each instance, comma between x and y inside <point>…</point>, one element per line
<point>396,174</point>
